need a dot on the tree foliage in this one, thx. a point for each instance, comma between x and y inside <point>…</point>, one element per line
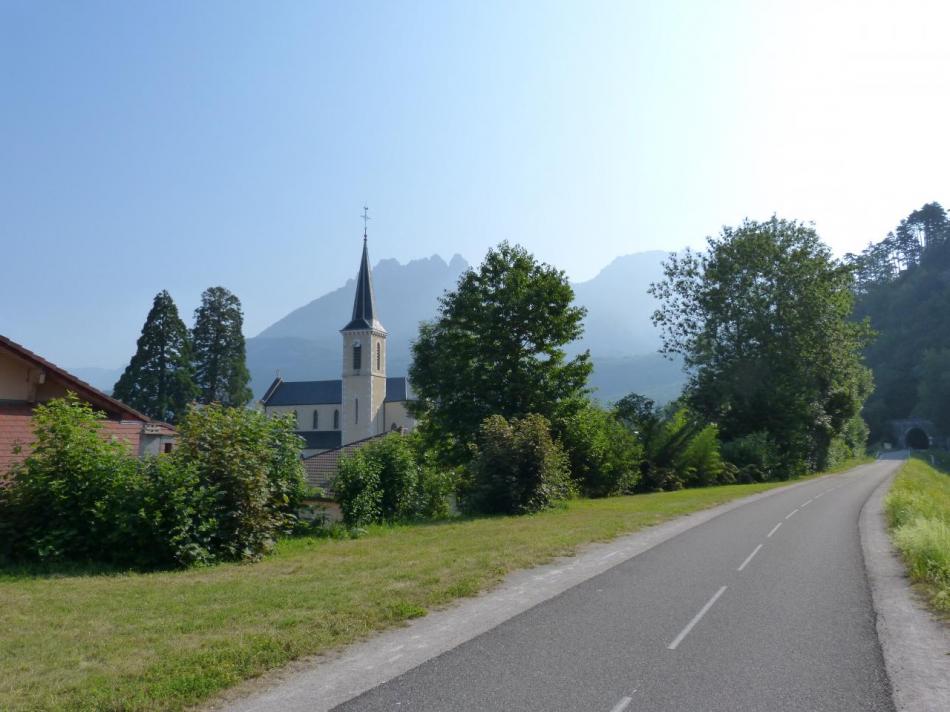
<point>909,307</point>
<point>158,380</point>
<point>218,349</point>
<point>251,463</point>
<point>496,348</point>
<point>933,388</point>
<point>391,479</point>
<point>604,456</point>
<point>518,468</point>
<point>225,494</point>
<point>762,320</point>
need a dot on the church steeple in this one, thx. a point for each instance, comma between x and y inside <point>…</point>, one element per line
<point>364,304</point>
<point>364,360</point>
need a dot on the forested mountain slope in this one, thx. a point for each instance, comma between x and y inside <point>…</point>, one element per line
<point>904,289</point>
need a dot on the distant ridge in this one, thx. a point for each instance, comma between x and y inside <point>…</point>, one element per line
<point>305,344</point>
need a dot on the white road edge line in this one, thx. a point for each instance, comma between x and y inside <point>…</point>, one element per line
<point>774,529</point>
<point>698,617</point>
<point>749,557</point>
<point>622,705</point>
<point>789,515</point>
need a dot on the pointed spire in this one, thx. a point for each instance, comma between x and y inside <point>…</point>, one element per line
<point>364,304</point>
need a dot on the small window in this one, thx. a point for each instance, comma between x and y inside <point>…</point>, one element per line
<point>336,420</point>
<point>168,448</point>
<point>316,420</point>
<point>357,356</point>
<point>379,356</point>
<point>356,409</point>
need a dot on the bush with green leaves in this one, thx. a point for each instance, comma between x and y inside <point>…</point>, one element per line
<point>755,457</point>
<point>81,497</point>
<point>251,465</point>
<point>700,462</point>
<point>604,455</point>
<point>517,468</point>
<point>226,493</point>
<point>391,479</point>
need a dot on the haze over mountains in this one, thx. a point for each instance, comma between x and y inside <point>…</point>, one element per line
<point>305,344</point>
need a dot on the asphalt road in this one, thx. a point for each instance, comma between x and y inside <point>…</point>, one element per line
<point>765,608</point>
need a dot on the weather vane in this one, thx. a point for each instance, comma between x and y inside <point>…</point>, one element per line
<point>366,218</point>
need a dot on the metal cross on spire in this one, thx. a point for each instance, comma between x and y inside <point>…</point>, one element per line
<point>366,219</point>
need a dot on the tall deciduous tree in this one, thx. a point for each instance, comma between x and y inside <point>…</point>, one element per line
<point>762,320</point>
<point>218,347</point>
<point>158,381</point>
<point>496,348</point>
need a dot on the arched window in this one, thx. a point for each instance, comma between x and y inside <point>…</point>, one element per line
<point>356,409</point>
<point>336,420</point>
<point>379,356</point>
<point>316,419</point>
<point>357,356</point>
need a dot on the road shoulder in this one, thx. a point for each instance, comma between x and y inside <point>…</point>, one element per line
<point>916,645</point>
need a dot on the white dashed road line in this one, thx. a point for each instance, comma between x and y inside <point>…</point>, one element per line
<point>749,558</point>
<point>698,617</point>
<point>774,529</point>
<point>622,705</point>
<point>791,514</point>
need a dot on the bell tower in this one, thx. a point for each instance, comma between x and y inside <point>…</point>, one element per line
<point>364,359</point>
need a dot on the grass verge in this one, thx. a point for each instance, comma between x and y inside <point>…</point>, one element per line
<point>918,511</point>
<point>164,641</point>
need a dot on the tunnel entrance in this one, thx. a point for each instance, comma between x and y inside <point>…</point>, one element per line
<point>917,439</point>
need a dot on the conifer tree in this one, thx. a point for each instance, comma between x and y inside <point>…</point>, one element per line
<point>158,381</point>
<point>218,347</point>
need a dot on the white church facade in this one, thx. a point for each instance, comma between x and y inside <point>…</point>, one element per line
<point>365,402</point>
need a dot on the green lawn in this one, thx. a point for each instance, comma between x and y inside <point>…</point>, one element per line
<point>918,510</point>
<point>162,641</point>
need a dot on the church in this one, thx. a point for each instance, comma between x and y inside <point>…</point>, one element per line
<point>364,403</point>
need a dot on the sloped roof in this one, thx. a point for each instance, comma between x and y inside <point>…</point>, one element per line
<point>321,439</point>
<point>93,395</point>
<point>364,303</point>
<point>305,393</point>
<point>328,392</point>
<point>397,389</point>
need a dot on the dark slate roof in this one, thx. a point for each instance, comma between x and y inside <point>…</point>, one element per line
<point>397,389</point>
<point>321,439</point>
<point>305,393</point>
<point>364,304</point>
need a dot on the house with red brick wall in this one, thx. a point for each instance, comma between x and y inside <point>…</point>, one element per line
<point>27,380</point>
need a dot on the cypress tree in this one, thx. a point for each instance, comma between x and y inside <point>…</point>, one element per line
<point>158,380</point>
<point>219,353</point>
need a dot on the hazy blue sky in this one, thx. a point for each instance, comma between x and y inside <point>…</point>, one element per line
<point>180,145</point>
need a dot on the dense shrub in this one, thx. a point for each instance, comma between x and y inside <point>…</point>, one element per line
<point>251,465</point>
<point>391,479</point>
<point>604,455</point>
<point>226,493</point>
<point>700,463</point>
<point>517,468</point>
<point>81,497</point>
<point>755,456</point>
